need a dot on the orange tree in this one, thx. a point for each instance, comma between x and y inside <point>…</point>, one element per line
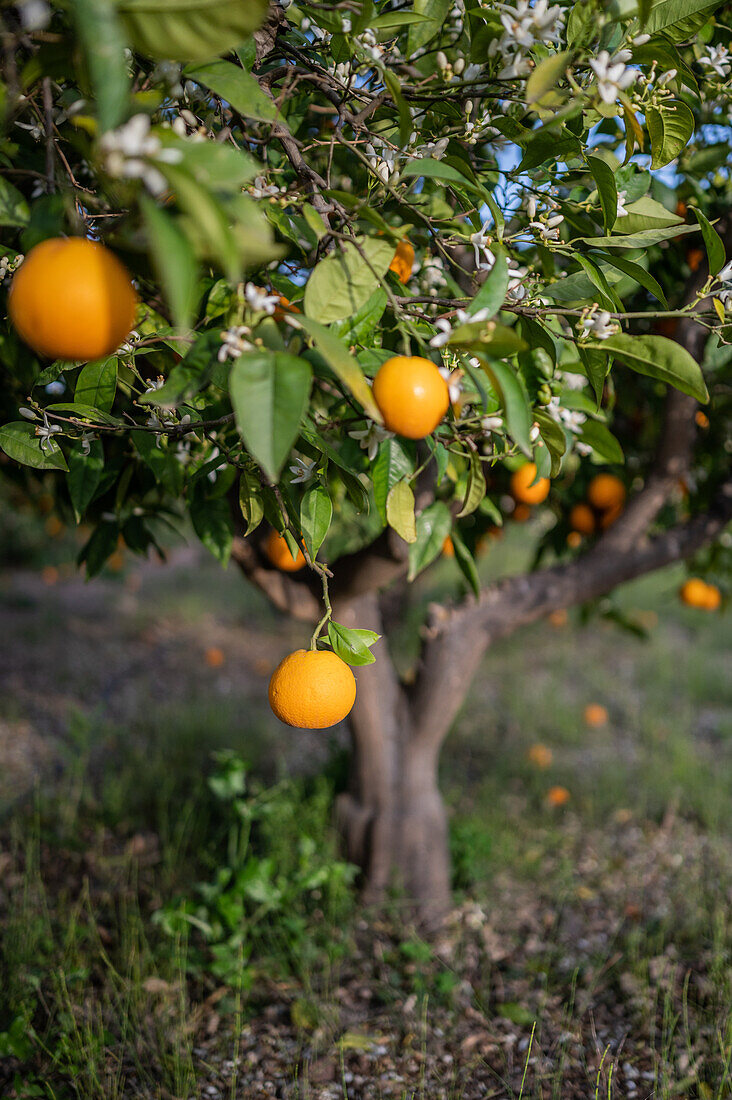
<point>397,269</point>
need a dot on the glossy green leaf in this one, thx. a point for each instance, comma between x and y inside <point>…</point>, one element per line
<point>393,462</point>
<point>658,357</point>
<point>475,490</point>
<point>97,384</point>
<point>670,126</point>
<point>85,472</point>
<point>351,644</point>
<point>639,273</point>
<point>465,561</point>
<point>213,523</point>
<point>20,442</point>
<point>492,293</point>
<point>269,393</point>
<point>712,241</point>
<point>174,261</point>
<point>102,39</point>
<point>13,207</point>
<point>607,191</point>
<point>545,76</point>
<point>316,513</point>
<point>514,401</point>
<point>433,526</point>
<point>235,86</point>
<point>250,501</point>
<point>604,444</point>
<point>344,365</point>
<point>400,510</point>
<point>637,240</point>
<point>343,281</point>
<point>185,30</point>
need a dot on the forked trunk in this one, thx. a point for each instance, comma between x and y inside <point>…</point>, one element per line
<point>393,819</point>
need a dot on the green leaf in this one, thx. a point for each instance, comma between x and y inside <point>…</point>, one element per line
<point>664,13</point>
<point>400,510</point>
<point>492,293</point>
<point>475,490</point>
<point>174,261</point>
<point>250,501</point>
<point>515,403</point>
<point>20,442</point>
<point>344,365</point>
<point>635,271</point>
<point>435,14</point>
<point>342,282</point>
<point>101,545</point>
<point>212,522</point>
<point>352,645</point>
<point>97,384</point>
<point>14,209</point>
<point>556,443</point>
<point>102,39</point>
<point>186,30</point>
<point>712,242</point>
<point>393,462</point>
<point>644,214</point>
<point>596,364</point>
<point>316,512</point>
<point>209,218</point>
<point>607,190</point>
<point>85,473</point>
<point>236,86</point>
<point>487,338</point>
<point>636,240</point>
<point>658,357</point>
<point>546,74</point>
<point>160,460</point>
<point>443,173</point>
<point>670,126</point>
<point>269,394</point>
<point>433,527</point>
<point>598,436</point>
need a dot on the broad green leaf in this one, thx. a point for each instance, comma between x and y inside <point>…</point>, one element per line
<point>435,14</point>
<point>492,293</point>
<point>188,376</point>
<point>316,512</point>
<point>637,240</point>
<point>185,30</point>
<point>433,527</point>
<point>607,191</point>
<point>515,403</point>
<point>344,365</point>
<point>607,297</point>
<point>604,444</point>
<point>352,645</point>
<point>161,461</point>
<point>556,444</point>
<point>595,362</point>
<point>664,13</point>
<point>235,86</point>
<point>400,510</point>
<point>658,357</point>
<point>342,282</point>
<point>207,218</point>
<point>639,273</point>
<point>100,546</point>
<point>546,74</point>
<point>393,462</point>
<point>670,126</point>
<point>269,393</point>
<point>102,39</point>
<point>213,523</point>
<point>85,472</point>
<point>250,501</point>
<point>487,338</point>
<point>174,261</point>
<point>79,411</point>
<point>712,242</point>
<point>97,384</point>
<point>438,170</point>
<point>475,490</point>
<point>645,214</point>
<point>13,207</point>
<point>20,442</point>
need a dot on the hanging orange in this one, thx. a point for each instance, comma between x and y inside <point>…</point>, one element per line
<point>412,395</point>
<point>403,261</point>
<point>523,488</point>
<point>71,298</point>
<point>312,689</point>
<point>278,552</point>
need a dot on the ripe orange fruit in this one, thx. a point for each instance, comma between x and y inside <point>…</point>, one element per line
<point>279,554</point>
<point>540,755</point>
<point>595,715</point>
<point>694,593</point>
<point>582,519</point>
<point>71,298</point>
<point>283,308</point>
<point>557,796</point>
<point>608,518</point>
<point>312,689</point>
<point>448,548</point>
<point>214,656</point>
<point>702,420</point>
<point>54,527</point>
<point>412,395</point>
<point>606,491</point>
<point>713,599</point>
<point>574,540</point>
<point>403,261</point>
<point>521,513</point>
<point>523,489</point>
<point>694,258</point>
<point>559,618</point>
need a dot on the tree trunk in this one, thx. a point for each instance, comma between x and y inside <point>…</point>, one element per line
<point>393,819</point>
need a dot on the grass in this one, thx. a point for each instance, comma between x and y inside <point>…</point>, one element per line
<point>590,949</point>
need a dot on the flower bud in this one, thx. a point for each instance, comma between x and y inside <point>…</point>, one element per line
<point>459,66</point>
<point>441,60</point>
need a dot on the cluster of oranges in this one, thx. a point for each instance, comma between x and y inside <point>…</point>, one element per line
<point>698,594</point>
<point>604,505</point>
